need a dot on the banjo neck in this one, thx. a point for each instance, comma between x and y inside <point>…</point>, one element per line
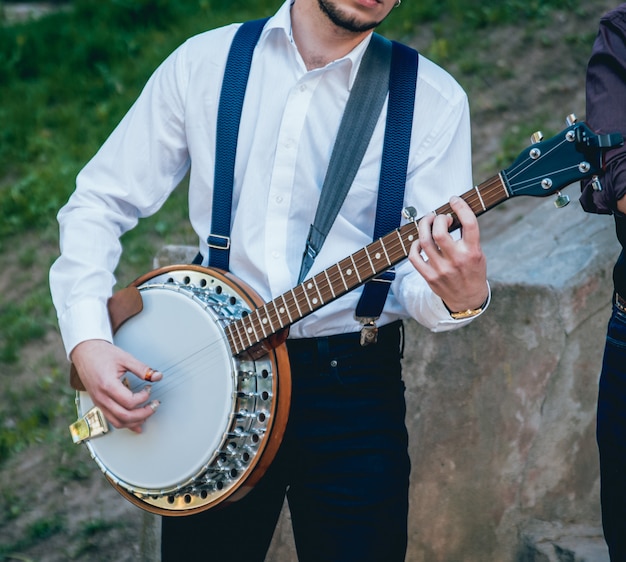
<point>540,170</point>
<point>267,320</point>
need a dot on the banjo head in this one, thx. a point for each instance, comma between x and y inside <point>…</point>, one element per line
<point>210,440</point>
<point>196,394</point>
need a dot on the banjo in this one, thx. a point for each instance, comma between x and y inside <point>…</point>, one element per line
<point>225,393</point>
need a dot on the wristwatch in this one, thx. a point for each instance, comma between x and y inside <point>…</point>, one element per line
<point>466,313</point>
<point>461,315</point>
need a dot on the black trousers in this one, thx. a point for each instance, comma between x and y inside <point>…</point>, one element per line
<point>611,434</point>
<point>343,465</point>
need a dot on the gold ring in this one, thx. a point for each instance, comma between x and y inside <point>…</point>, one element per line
<point>148,375</point>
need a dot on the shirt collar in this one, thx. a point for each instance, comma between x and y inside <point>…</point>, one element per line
<point>282,21</point>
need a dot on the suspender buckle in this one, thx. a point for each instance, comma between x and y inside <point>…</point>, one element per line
<point>218,242</point>
<point>369,331</point>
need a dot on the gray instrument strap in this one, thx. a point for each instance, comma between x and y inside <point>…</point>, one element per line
<point>355,131</point>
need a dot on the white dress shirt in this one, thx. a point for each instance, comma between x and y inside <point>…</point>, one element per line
<point>289,122</point>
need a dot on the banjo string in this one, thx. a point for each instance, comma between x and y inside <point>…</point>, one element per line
<point>183,370</point>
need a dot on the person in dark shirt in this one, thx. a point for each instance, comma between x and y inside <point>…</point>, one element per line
<point>606,113</point>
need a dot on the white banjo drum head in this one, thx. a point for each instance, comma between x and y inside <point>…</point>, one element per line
<point>177,335</point>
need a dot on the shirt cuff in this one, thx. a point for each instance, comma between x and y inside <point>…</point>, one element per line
<point>86,320</point>
<point>446,322</point>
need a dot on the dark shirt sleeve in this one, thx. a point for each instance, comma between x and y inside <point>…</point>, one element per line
<point>606,109</point>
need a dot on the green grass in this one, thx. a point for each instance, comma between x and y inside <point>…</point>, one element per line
<point>38,531</point>
<point>67,79</point>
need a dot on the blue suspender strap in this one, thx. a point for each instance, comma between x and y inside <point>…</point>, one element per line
<point>228,119</point>
<point>402,85</point>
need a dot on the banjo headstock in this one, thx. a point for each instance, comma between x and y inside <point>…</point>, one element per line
<point>547,166</point>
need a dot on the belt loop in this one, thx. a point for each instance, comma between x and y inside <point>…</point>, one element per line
<point>619,301</point>
<point>323,355</point>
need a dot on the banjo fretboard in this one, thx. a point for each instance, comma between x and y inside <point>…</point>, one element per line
<point>348,274</point>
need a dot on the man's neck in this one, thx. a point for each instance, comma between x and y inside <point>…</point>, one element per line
<point>319,41</point>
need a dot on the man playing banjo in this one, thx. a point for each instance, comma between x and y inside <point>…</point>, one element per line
<point>343,462</point>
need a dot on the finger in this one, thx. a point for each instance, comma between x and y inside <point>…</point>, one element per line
<point>141,370</point>
<point>420,261</point>
<point>152,375</point>
<point>125,362</point>
<point>441,230</point>
<point>467,218</point>
<point>425,237</point>
<point>128,398</point>
<point>120,416</point>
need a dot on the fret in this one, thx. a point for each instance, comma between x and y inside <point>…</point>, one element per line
<point>330,284</point>
<point>480,197</point>
<point>265,320</point>
<point>369,259</point>
<point>234,328</point>
<point>306,296</point>
<point>410,236</point>
<point>397,247</point>
<point>343,279</point>
<point>381,257</point>
<point>384,247</point>
<point>278,314</point>
<point>257,324</point>
<point>286,306</point>
<point>314,300</point>
<point>356,269</point>
<point>319,293</point>
<point>397,233</point>
<point>255,327</point>
<point>294,306</point>
<point>246,333</point>
<point>272,315</point>
<point>295,300</point>
<point>250,330</point>
<point>323,287</point>
<point>492,192</point>
<point>389,246</point>
<point>230,336</point>
<point>502,185</point>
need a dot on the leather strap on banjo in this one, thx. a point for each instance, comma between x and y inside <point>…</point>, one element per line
<point>124,304</point>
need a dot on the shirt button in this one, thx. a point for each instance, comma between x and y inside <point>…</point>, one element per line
<point>279,199</point>
<point>275,255</point>
<point>303,87</point>
<point>333,363</point>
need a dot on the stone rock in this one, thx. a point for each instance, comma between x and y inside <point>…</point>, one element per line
<point>501,414</point>
<point>555,542</point>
